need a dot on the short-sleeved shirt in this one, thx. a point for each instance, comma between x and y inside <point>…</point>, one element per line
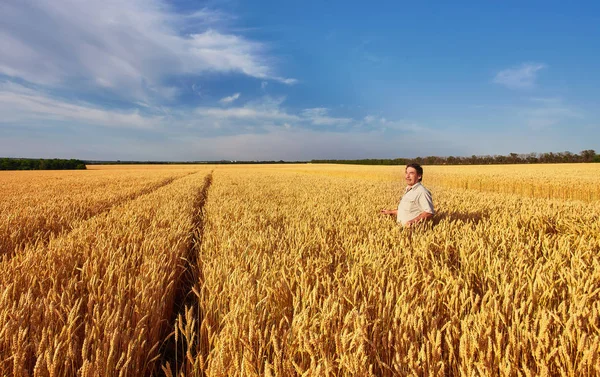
<point>416,200</point>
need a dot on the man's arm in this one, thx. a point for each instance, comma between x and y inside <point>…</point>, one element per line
<point>423,216</point>
<point>393,212</point>
<point>426,205</point>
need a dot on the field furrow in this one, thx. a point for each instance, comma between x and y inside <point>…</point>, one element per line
<point>34,217</point>
<point>178,342</point>
<point>99,299</point>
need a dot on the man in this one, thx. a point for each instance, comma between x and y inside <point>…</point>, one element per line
<point>416,204</point>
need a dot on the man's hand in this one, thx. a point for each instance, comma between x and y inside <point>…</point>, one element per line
<point>422,217</point>
<point>392,212</point>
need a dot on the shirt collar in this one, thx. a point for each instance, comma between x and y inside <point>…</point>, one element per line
<point>408,188</point>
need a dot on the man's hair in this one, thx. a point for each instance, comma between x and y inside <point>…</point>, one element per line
<point>418,168</point>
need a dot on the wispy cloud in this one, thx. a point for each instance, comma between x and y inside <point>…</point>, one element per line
<point>261,129</point>
<point>129,48</point>
<point>22,105</point>
<point>247,114</point>
<point>32,106</point>
<point>370,119</point>
<point>319,117</point>
<point>287,81</point>
<point>521,77</point>
<point>253,116</point>
<point>546,100</point>
<point>547,112</point>
<point>229,99</point>
<point>197,89</point>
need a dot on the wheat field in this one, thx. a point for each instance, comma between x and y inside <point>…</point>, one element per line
<point>290,270</point>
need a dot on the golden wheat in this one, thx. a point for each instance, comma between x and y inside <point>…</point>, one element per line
<point>296,273</point>
<point>301,276</point>
<point>98,300</point>
<point>35,206</point>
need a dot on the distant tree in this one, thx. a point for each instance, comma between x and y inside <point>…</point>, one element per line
<point>565,156</point>
<point>588,155</point>
<point>548,158</point>
<point>532,158</point>
<point>40,164</point>
<point>513,158</point>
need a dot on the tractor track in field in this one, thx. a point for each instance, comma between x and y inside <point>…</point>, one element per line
<point>66,228</point>
<point>185,297</point>
<point>77,269</point>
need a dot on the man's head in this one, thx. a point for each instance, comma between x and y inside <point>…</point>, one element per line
<point>413,174</point>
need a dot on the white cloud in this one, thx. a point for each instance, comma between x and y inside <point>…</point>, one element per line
<point>318,116</point>
<point>36,124</point>
<point>405,127</point>
<point>287,81</point>
<point>261,129</point>
<point>31,106</point>
<point>246,113</point>
<point>370,119</point>
<point>521,77</point>
<point>19,104</point>
<point>375,121</point>
<point>315,111</point>
<point>257,114</point>
<point>196,88</point>
<point>548,112</point>
<point>230,99</point>
<point>546,100</point>
<point>130,48</point>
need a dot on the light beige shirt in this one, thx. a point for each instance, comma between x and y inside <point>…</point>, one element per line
<point>416,200</point>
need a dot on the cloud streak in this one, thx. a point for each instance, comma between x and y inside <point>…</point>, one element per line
<point>318,116</point>
<point>521,77</point>
<point>259,130</point>
<point>229,99</point>
<point>127,48</point>
<point>22,105</point>
<point>32,106</point>
<point>547,112</point>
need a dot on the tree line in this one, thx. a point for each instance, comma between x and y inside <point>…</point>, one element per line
<point>588,155</point>
<point>207,162</point>
<point>40,164</point>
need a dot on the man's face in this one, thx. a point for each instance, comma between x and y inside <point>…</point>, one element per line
<point>411,176</point>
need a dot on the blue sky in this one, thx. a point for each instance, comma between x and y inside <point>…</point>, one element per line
<point>270,80</point>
